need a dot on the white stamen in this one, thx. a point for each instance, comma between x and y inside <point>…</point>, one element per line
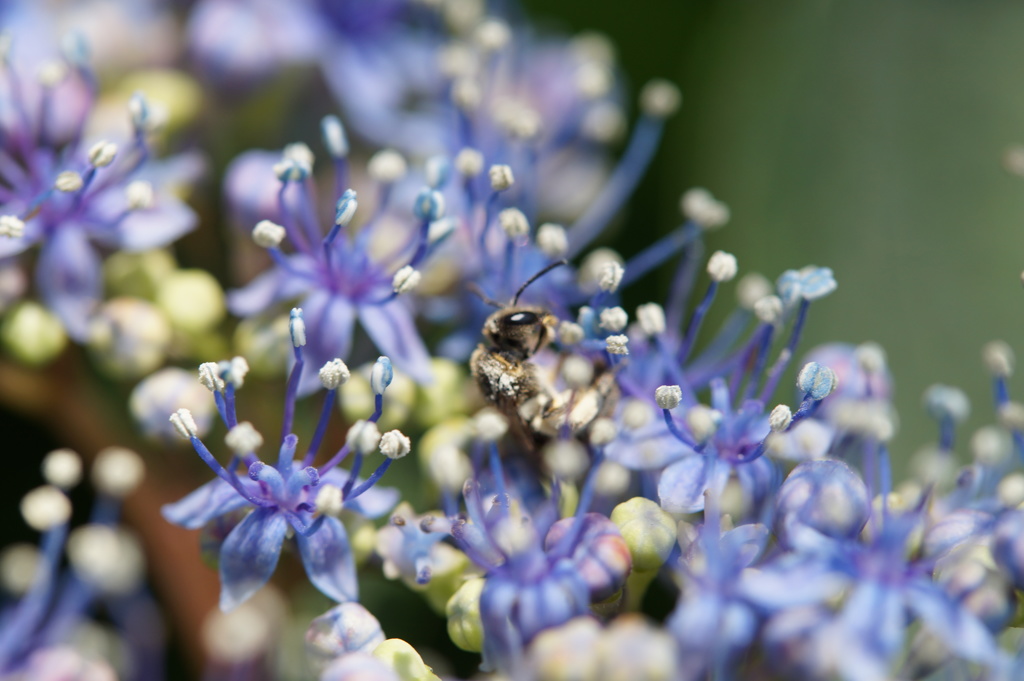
<point>602,431</point>
<point>613,319</point>
<point>335,139</point>
<point>334,374</point>
<point>209,376</point>
<point>45,507</point>
<point>513,223</point>
<point>406,279</point>
<point>363,436</point>
<point>386,166</point>
<point>244,634</point>
<point>552,240</point>
<point>660,98</point>
<point>394,444</point>
<point>702,422</point>
<point>780,418</point>
<point>297,327</point>
<point>1010,490</point>
<point>990,445</point>
<point>769,309</point>
<point>62,468</point>
<point>751,288</point>
<point>11,226</point>
<point>593,80</point>
<point>449,468</point>
<point>184,423</point>
<point>19,568</point>
<point>603,122</point>
<point>234,371</point>
<point>52,73</point>
<point>612,480</point>
<point>610,276</point>
<point>329,500</point>
<point>437,170</point>
<point>998,358</point>
<point>651,318</point>
<point>106,557</point>
<point>243,439</point>
<point>490,425</point>
<point>566,459</point>
<point>117,471</point>
<point>700,206</point>
<point>102,154</point>
<point>722,266</point>
<point>577,372</point>
<point>139,195</point>
<point>68,181</point>
<point>668,396</point>
<point>467,93</point>
<point>617,345</point>
<point>439,229</point>
<point>594,47</point>
<point>871,357</point>
<point>636,414</point>
<point>501,177</point>
<point>469,162</point>
<point>570,333</point>
<point>492,35</point>
<point>1011,416</point>
<point>301,154</point>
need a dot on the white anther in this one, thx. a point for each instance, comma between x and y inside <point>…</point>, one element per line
<point>780,418</point>
<point>702,422</point>
<point>651,318</point>
<point>457,60</point>
<point>612,480</point>
<point>102,154</point>
<point>363,436</point>
<point>613,319</point>
<point>570,333</point>
<point>593,80</point>
<point>610,276</point>
<point>469,162</point>
<point>268,235</point>
<point>552,240</point>
<point>243,439</point>
<point>517,119</point>
<point>1010,490</point>
<point>45,507</point>
<point>660,98</point>
<point>394,444</point>
<point>406,279</point>
<point>68,181</point>
<point>513,223</point>
<point>106,557</point>
<point>769,309</point>
<point>184,423</point>
<point>751,288</point>
<point>566,459</point>
<point>492,35</point>
<point>501,177</point>
<point>334,136</point>
<point>871,357</point>
<point>668,396</point>
<point>52,73</point>
<point>594,47</point>
<point>636,414</point>
<point>449,468</point>
<point>329,500</point>
<point>990,445</point>
<point>139,195</point>
<point>467,93</point>
<point>386,166</point>
<point>577,372</point>
<point>334,374</point>
<point>603,122</point>
<point>998,358</point>
<point>234,371</point>
<point>700,206</point>
<point>617,345</point>
<point>1011,416</point>
<point>301,154</point>
<point>19,568</point>
<point>602,431</point>
<point>11,226</point>
<point>870,419</point>
<point>117,471</point>
<point>62,468</point>
<point>722,266</point>
<point>209,376</point>
<point>490,425</point>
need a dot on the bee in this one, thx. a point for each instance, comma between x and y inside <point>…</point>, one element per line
<point>536,410</point>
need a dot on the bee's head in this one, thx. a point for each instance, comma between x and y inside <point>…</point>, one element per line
<point>522,330</point>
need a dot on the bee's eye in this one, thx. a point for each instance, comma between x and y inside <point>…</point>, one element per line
<point>521,318</point>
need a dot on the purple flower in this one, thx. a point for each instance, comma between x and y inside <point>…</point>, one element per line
<point>285,496</point>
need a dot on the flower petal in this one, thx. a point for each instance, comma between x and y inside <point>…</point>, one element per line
<point>249,556</point>
<point>392,330</point>
<point>958,628</point>
<point>68,277</point>
<point>166,221</point>
<point>204,504</point>
<point>329,562</point>
<point>682,485</point>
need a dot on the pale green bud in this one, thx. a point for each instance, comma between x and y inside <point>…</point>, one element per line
<point>129,337</point>
<point>445,396</point>
<point>649,531</point>
<point>265,344</point>
<point>32,334</point>
<point>404,659</point>
<point>192,300</point>
<point>137,274</point>
<point>464,626</point>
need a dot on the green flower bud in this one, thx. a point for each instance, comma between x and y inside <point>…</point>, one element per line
<point>265,344</point>
<point>404,659</point>
<point>445,396</point>
<point>137,274</point>
<point>192,300</point>
<point>649,531</point>
<point>464,626</point>
<point>32,334</point>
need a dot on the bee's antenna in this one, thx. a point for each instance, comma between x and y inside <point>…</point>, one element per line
<point>557,263</point>
<point>478,292</point>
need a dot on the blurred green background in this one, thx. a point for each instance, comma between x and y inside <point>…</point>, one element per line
<point>864,136</point>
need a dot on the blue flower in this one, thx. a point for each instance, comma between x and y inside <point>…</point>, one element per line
<point>285,496</point>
